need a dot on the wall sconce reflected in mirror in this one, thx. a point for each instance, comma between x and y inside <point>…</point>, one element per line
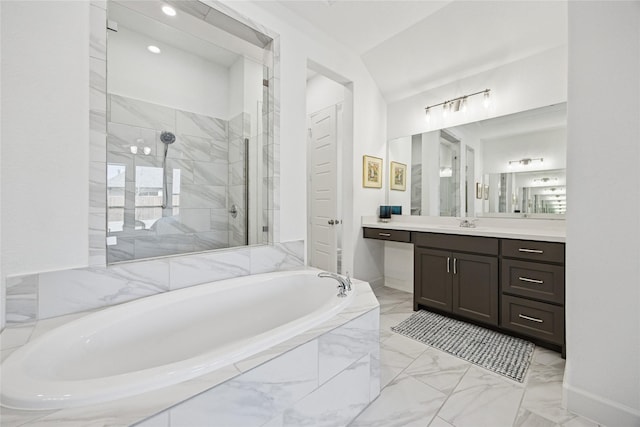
<point>526,161</point>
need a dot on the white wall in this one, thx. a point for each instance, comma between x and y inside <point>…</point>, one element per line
<point>45,132</point>
<point>3,289</point>
<point>551,145</point>
<point>400,151</point>
<point>174,78</point>
<point>299,44</point>
<point>323,92</point>
<point>602,375</point>
<point>532,82</point>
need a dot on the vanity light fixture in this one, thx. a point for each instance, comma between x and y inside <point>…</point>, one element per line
<point>459,103</point>
<point>153,49</point>
<point>526,161</point>
<point>545,179</point>
<point>168,10</point>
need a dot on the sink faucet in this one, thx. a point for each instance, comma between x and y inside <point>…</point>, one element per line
<point>344,283</point>
<point>466,223</point>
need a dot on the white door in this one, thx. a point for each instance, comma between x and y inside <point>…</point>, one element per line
<point>323,204</point>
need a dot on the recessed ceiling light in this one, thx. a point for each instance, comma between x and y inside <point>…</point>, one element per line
<point>168,10</point>
<point>153,49</point>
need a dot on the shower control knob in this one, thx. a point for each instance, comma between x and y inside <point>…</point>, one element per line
<point>331,222</point>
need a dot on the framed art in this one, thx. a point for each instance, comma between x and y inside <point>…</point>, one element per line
<point>478,190</point>
<point>371,172</point>
<point>398,176</point>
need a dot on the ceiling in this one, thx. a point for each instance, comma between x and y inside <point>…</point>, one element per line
<point>413,46</point>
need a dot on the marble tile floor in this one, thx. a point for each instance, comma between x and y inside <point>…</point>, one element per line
<point>423,386</point>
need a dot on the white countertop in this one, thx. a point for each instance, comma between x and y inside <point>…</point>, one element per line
<point>547,230</point>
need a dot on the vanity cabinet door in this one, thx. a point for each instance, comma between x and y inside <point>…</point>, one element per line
<point>475,287</point>
<point>432,278</point>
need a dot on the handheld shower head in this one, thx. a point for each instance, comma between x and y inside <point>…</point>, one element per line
<point>167,137</point>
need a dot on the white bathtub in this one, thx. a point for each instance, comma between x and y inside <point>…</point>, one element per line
<point>165,339</point>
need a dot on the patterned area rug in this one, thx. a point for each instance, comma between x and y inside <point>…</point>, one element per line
<point>500,353</point>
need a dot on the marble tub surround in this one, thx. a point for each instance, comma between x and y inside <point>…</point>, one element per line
<point>44,295</point>
<point>305,373</point>
<point>548,230</point>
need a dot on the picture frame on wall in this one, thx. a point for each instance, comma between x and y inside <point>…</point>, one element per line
<point>371,172</point>
<point>479,190</point>
<point>398,176</point>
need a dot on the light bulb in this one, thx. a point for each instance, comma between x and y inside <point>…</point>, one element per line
<point>463,104</point>
<point>168,10</point>
<point>427,112</point>
<point>487,99</point>
<point>153,49</point>
<point>134,149</point>
<point>146,151</point>
<point>445,109</point>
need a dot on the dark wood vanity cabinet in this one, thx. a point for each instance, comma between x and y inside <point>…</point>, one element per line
<point>515,286</point>
<point>455,280</point>
<point>532,289</point>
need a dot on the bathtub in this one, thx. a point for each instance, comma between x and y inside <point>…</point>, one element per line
<point>165,339</point>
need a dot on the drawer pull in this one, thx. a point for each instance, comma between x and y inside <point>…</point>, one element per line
<point>448,264</point>
<point>531,251</point>
<point>533,319</point>
<point>526,279</point>
<point>384,234</point>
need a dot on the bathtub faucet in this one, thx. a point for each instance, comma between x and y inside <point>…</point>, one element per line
<point>344,283</point>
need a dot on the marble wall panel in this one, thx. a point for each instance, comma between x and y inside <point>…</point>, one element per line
<point>203,196</point>
<point>97,32</point>
<point>337,403</point>
<point>22,299</point>
<point>200,126</point>
<point>140,113</point>
<point>71,291</point>
<point>346,344</point>
<point>256,396</point>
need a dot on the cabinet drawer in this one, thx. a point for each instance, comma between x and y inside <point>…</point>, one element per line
<point>532,318</point>
<point>533,250</point>
<point>386,234</point>
<point>533,280</point>
<point>454,242</point>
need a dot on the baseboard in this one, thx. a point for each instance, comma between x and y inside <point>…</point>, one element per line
<point>399,284</point>
<point>600,409</point>
<point>377,282</point>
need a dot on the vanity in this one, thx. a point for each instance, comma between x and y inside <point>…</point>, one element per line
<point>506,274</point>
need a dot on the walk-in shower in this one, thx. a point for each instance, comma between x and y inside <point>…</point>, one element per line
<point>195,196</point>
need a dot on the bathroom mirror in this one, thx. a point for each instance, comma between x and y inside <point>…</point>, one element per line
<point>187,130</point>
<point>512,165</point>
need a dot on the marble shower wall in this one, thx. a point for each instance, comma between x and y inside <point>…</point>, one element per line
<point>209,157</point>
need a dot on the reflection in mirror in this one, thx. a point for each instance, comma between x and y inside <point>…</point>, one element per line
<point>514,165</point>
<point>186,145</point>
<point>449,172</point>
